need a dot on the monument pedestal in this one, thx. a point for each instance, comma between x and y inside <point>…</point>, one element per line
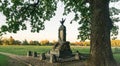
<point>61,49</point>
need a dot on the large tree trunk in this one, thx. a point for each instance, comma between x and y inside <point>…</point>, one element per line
<point>101,24</point>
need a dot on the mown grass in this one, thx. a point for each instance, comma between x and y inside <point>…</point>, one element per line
<point>3,60</point>
<point>22,50</point>
<point>81,49</point>
<point>117,57</point>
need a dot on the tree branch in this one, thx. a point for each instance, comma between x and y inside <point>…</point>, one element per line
<point>36,3</point>
<point>85,1</point>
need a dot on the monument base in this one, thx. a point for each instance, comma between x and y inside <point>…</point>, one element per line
<point>61,52</point>
<point>61,49</point>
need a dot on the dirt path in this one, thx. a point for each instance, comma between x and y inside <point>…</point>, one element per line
<point>16,60</point>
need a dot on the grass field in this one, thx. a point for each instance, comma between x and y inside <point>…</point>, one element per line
<point>22,50</point>
<point>3,60</point>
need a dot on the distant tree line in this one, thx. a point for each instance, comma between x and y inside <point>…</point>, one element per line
<point>12,41</point>
<point>114,43</point>
<point>9,41</point>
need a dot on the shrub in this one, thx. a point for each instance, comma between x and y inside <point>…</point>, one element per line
<point>5,41</point>
<point>34,43</point>
<point>115,43</point>
<point>44,42</point>
<point>11,40</point>
<point>25,42</point>
<point>17,42</point>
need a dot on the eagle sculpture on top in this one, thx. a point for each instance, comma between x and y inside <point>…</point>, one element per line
<point>62,22</point>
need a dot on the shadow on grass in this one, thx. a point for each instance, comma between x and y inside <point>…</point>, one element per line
<point>3,60</point>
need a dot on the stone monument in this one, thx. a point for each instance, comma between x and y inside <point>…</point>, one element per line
<point>61,50</point>
<point>62,32</point>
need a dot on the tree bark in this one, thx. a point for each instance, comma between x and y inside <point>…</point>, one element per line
<point>101,24</point>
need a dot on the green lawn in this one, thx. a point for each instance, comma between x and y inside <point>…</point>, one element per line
<point>22,50</point>
<point>117,57</point>
<point>3,60</point>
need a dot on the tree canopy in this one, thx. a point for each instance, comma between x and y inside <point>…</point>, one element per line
<point>18,12</point>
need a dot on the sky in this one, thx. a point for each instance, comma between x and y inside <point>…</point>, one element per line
<point>51,28</point>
